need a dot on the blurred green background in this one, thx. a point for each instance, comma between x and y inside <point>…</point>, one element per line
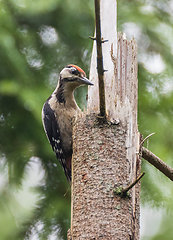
<point>37,39</point>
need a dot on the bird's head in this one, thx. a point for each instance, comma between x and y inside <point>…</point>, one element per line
<point>73,76</point>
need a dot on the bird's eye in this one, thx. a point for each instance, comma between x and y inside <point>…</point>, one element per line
<point>74,71</point>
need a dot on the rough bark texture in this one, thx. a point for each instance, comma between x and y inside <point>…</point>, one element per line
<point>99,166</point>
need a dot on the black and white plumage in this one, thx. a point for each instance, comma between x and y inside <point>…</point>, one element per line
<point>58,111</point>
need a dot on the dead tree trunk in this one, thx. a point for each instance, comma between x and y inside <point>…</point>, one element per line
<point>106,153</point>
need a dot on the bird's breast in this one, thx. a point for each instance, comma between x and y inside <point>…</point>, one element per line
<point>64,118</point>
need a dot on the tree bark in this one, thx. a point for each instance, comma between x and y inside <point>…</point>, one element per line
<point>106,153</point>
<point>100,165</point>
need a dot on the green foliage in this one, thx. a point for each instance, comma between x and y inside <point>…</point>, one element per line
<point>38,38</point>
<point>151,24</point>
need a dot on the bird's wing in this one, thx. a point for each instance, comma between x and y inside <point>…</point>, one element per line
<point>53,134</point>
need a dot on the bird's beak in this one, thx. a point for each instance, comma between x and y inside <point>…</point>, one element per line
<point>84,80</point>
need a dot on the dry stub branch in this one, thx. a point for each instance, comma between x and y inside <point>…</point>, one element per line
<point>124,192</point>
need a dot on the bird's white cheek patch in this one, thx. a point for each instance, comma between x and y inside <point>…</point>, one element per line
<point>65,73</point>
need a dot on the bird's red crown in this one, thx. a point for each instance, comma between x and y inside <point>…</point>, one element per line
<point>78,68</point>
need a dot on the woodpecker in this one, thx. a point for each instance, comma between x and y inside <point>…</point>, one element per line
<point>58,111</point>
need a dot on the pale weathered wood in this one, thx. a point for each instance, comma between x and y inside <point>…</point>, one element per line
<point>105,154</point>
<point>109,32</point>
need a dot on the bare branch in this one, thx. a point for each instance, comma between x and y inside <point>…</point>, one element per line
<point>100,69</point>
<point>125,190</point>
<point>158,163</point>
<point>146,139</point>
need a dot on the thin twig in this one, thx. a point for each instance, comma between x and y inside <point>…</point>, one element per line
<point>100,69</point>
<point>125,190</point>
<point>66,192</point>
<point>158,163</point>
<point>92,38</point>
<point>146,139</point>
